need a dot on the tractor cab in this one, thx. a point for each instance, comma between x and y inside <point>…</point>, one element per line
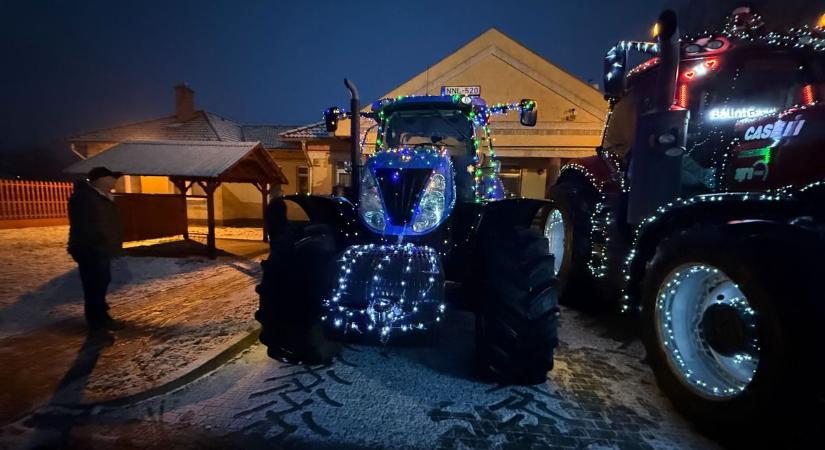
<point>435,123</point>
<point>430,152</point>
<point>739,74</point>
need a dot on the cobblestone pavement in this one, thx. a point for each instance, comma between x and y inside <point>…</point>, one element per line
<point>600,395</point>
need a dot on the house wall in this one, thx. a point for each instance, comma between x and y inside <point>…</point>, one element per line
<point>241,204</point>
<point>321,172</point>
<point>571,113</point>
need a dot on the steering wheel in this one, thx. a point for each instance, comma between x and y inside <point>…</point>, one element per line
<point>423,144</point>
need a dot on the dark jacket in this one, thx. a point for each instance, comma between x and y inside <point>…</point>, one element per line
<point>94,223</point>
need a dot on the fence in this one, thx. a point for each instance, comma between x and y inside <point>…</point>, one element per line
<point>33,203</point>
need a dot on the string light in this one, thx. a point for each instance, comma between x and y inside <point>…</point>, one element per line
<point>632,265</point>
<point>404,292</point>
<point>385,288</point>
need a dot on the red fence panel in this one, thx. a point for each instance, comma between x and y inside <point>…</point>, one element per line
<point>150,216</point>
<point>26,203</point>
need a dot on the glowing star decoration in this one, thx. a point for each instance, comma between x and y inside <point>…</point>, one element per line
<point>386,288</point>
<point>744,112</point>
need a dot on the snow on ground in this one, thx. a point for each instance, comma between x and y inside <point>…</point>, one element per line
<point>250,233</point>
<point>39,283</point>
<point>421,395</point>
<point>176,311</point>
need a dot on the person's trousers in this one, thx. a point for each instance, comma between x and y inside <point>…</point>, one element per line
<point>95,275</point>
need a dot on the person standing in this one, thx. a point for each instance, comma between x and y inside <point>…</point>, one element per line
<point>94,239</point>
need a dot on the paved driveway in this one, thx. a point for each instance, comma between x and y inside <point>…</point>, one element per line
<point>600,395</point>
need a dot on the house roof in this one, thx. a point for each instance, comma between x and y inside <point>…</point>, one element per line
<point>513,53</point>
<point>268,135</point>
<point>494,46</point>
<point>204,126</point>
<point>223,161</point>
<point>315,130</point>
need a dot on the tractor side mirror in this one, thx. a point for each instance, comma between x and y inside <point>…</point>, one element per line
<point>331,116</point>
<point>528,112</point>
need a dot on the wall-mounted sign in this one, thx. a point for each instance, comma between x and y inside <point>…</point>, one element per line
<point>745,112</point>
<point>472,91</point>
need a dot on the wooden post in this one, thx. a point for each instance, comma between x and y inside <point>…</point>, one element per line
<point>183,188</point>
<point>264,190</point>
<point>210,187</point>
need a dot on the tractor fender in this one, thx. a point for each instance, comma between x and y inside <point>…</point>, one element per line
<point>508,213</point>
<point>762,215</point>
<point>594,170</point>
<point>338,213</point>
<point>482,221</point>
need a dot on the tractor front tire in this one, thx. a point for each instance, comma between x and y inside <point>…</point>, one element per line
<point>575,202</point>
<point>298,273</point>
<point>516,325</point>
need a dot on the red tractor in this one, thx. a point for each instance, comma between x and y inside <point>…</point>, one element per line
<point>703,213</point>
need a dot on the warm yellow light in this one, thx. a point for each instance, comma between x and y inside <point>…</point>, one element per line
<point>655,31</point>
<point>821,22</point>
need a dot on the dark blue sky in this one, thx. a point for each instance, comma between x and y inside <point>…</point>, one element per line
<point>73,66</point>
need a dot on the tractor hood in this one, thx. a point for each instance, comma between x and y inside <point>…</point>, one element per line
<point>407,191</point>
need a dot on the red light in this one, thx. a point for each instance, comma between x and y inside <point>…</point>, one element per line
<point>808,94</point>
<point>711,63</point>
<point>682,99</point>
<point>690,74</point>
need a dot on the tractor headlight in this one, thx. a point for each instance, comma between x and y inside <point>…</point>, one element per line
<point>432,205</point>
<point>370,207</point>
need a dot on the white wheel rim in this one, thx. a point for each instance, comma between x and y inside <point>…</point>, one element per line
<point>554,232</point>
<point>686,299</point>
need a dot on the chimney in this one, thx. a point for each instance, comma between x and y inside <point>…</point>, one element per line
<point>184,102</point>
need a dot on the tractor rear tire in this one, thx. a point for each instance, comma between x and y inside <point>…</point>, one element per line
<point>764,277</point>
<point>298,273</point>
<point>576,203</point>
<point>516,325</point>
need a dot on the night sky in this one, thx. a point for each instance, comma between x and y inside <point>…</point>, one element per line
<point>70,67</point>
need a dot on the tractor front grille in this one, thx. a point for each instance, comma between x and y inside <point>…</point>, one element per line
<point>401,189</point>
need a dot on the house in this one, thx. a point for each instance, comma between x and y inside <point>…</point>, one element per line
<point>493,65</point>
<point>235,203</point>
<point>499,69</point>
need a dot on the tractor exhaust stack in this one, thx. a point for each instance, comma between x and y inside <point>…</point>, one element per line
<point>355,134</point>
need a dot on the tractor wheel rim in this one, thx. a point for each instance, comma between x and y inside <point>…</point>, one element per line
<point>554,232</point>
<point>708,330</point>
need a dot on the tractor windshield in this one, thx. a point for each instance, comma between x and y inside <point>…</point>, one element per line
<point>448,128</point>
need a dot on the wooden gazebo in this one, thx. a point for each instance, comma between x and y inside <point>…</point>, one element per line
<point>188,163</point>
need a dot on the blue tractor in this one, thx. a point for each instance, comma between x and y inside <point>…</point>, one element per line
<point>427,207</point>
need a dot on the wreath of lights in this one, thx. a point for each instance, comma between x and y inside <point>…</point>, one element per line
<point>404,303</point>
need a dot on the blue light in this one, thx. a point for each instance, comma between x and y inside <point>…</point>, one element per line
<point>435,203</point>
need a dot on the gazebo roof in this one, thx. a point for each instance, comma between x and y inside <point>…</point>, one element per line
<point>233,162</point>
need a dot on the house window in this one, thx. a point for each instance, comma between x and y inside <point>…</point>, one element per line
<point>511,179</point>
<point>303,178</point>
<point>343,174</point>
